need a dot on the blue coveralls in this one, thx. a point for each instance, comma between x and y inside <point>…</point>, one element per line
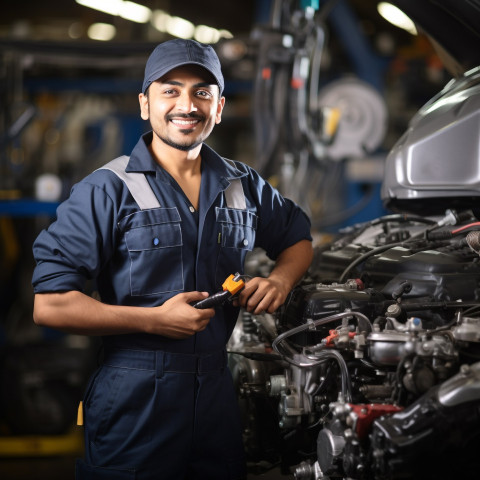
<point>160,408</point>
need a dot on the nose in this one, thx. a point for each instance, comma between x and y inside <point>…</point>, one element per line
<point>185,103</point>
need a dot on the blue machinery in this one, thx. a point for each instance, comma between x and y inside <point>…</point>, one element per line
<point>309,124</point>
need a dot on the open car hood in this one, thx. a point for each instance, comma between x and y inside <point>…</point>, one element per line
<point>454,27</point>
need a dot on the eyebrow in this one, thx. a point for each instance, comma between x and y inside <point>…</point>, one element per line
<point>180,84</point>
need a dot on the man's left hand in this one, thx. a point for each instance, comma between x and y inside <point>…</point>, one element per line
<point>262,295</point>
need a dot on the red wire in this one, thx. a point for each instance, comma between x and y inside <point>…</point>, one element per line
<point>475,224</point>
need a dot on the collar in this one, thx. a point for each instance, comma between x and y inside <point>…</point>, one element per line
<point>141,161</point>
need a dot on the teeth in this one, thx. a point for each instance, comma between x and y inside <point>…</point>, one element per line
<point>185,122</point>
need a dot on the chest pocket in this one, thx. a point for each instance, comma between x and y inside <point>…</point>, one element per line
<point>237,228</point>
<point>236,237</point>
<point>154,242</point>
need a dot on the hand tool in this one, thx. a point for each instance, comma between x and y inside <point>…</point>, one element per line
<point>231,287</point>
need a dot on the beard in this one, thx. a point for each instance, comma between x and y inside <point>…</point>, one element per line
<point>184,147</point>
<point>188,144</point>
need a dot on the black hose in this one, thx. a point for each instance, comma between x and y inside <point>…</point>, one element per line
<point>366,255</point>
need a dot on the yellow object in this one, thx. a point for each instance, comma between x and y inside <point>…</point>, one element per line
<point>80,414</point>
<point>233,286</point>
<point>332,119</point>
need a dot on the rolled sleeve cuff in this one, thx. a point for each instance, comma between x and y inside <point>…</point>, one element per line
<point>47,278</point>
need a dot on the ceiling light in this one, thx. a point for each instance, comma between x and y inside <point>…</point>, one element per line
<point>101,31</point>
<point>75,30</point>
<point>160,20</point>
<point>395,16</point>
<point>206,34</point>
<point>179,27</point>
<point>225,34</point>
<point>125,9</point>
<point>135,12</point>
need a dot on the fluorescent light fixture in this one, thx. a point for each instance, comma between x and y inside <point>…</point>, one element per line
<point>225,34</point>
<point>395,16</point>
<point>75,30</point>
<point>135,12</point>
<point>125,9</point>
<point>160,20</point>
<point>179,27</point>
<point>206,34</point>
<point>101,31</point>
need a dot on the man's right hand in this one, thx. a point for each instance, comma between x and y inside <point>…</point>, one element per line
<point>176,318</point>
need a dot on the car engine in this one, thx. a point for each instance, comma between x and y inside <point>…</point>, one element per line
<point>371,369</point>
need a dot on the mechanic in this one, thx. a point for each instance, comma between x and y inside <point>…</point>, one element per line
<point>157,232</point>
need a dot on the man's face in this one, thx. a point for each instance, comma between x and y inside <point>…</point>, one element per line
<point>183,107</point>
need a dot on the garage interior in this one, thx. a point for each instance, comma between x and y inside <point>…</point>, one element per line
<point>69,81</point>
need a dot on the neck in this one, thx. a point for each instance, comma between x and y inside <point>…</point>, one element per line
<point>177,163</point>
<point>184,167</point>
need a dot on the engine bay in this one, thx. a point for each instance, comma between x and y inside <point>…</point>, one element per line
<point>371,368</point>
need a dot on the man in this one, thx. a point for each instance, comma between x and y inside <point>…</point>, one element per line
<point>159,232</point>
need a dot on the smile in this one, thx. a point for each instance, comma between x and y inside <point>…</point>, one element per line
<point>185,122</point>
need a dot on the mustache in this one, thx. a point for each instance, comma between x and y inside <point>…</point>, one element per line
<point>186,116</point>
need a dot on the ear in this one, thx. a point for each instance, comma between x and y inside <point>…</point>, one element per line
<point>218,116</point>
<point>144,112</point>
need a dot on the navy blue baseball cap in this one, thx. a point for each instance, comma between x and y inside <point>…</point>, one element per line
<point>175,53</point>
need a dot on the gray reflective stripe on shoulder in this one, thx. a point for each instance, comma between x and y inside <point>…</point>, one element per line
<point>136,183</point>
<point>143,194</point>
<point>234,195</point>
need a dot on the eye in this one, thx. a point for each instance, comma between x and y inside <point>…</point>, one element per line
<point>203,93</point>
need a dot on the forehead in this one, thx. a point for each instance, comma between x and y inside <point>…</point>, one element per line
<point>189,73</point>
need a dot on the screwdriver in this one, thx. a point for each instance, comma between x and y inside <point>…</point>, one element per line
<point>231,286</point>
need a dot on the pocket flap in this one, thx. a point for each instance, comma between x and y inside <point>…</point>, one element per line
<point>239,217</point>
<point>153,216</point>
<point>153,236</point>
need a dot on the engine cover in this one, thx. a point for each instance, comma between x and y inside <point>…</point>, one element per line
<point>443,273</point>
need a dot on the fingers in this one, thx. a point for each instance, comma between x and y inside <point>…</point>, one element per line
<point>178,319</point>
<point>190,297</point>
<point>261,295</point>
<point>268,303</point>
